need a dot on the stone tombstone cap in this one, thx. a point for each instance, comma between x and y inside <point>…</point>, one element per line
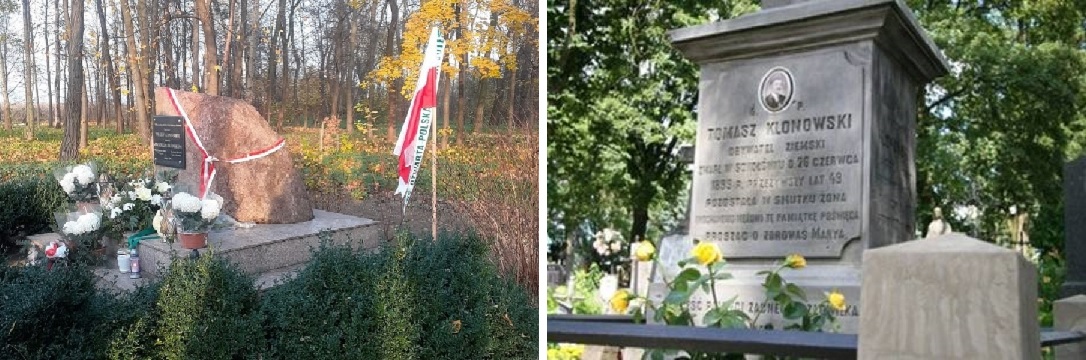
<point>267,190</point>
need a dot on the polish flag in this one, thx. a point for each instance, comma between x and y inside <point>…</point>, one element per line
<point>411,145</point>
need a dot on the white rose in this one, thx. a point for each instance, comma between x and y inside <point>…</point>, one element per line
<point>209,209</point>
<point>616,246</point>
<point>132,195</point>
<point>163,187</point>
<point>143,193</point>
<point>129,206</point>
<point>156,200</point>
<point>116,199</point>
<point>115,212</point>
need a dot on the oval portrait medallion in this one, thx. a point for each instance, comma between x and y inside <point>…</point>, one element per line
<point>776,89</point>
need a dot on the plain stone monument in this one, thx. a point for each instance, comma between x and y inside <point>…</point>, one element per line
<point>1070,315</point>
<point>949,297</point>
<point>1074,222</point>
<point>806,140</point>
<point>267,190</point>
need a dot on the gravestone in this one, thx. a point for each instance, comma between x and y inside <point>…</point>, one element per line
<point>949,297</point>
<point>261,184</point>
<point>806,141</point>
<point>1074,222</point>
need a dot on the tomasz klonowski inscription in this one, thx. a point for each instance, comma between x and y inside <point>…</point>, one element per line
<point>788,179</point>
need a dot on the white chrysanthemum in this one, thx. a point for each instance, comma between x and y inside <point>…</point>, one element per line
<point>115,212</point>
<point>156,223</point>
<point>186,203</point>
<point>72,228</point>
<point>90,222</point>
<point>143,193</point>
<point>156,200</point>
<point>84,174</point>
<point>129,206</point>
<point>210,209</point>
<point>68,183</point>
<point>163,187</point>
<point>132,195</point>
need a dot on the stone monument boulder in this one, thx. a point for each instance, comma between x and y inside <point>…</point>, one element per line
<point>266,190</point>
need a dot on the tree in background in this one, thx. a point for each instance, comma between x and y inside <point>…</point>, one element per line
<point>996,132</point>
<point>620,102</point>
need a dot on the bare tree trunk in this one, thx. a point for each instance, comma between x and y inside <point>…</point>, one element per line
<point>390,44</point>
<point>83,121</point>
<point>139,85</point>
<point>211,56</point>
<point>107,61</point>
<point>445,112</point>
<point>463,71</point>
<point>53,116</point>
<point>195,53</point>
<point>350,83</point>
<point>235,65</point>
<point>228,51</point>
<point>74,100</point>
<point>29,70</point>
<point>4,38</point>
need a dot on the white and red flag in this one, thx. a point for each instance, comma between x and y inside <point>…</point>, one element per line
<point>411,144</point>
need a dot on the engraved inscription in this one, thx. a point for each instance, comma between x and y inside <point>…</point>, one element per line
<point>771,184</point>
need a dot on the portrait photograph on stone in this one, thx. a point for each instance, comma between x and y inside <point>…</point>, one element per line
<point>259,179</point>
<point>829,179</point>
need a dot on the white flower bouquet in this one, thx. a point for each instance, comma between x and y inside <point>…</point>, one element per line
<point>134,204</point>
<point>195,215</point>
<point>79,182</point>
<point>82,231</point>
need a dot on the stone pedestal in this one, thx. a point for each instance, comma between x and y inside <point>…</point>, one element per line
<point>806,138</point>
<point>950,297</point>
<point>1074,223</point>
<point>1070,315</point>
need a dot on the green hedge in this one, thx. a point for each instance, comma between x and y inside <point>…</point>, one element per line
<point>28,204</point>
<point>402,302</point>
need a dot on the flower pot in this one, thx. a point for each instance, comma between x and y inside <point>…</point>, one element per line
<point>192,240</point>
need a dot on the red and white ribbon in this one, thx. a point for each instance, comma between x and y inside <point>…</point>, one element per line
<point>207,170</point>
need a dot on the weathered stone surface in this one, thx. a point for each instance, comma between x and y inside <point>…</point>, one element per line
<point>949,297</point>
<point>267,247</point>
<point>1070,315</point>
<point>267,190</point>
<point>1074,222</point>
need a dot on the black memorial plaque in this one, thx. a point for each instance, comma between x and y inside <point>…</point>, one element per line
<point>168,141</point>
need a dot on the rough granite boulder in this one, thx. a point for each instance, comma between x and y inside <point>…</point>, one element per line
<point>267,190</point>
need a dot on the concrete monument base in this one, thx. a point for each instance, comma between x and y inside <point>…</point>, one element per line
<point>267,247</point>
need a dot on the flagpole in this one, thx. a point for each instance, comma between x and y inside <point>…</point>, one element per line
<point>433,187</point>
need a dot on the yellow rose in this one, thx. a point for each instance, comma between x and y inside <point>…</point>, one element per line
<point>620,301</point>
<point>644,251</point>
<point>706,253</point>
<point>837,300</point>
<point>795,261</point>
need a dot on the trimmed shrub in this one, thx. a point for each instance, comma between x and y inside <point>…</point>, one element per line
<point>27,205</point>
<point>207,309</point>
<point>412,299</point>
<point>59,315</point>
